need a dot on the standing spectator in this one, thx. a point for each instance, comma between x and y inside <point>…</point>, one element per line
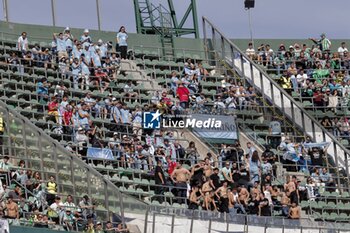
<point>255,167</point>
<point>180,177</point>
<point>222,195</point>
<point>86,38</point>
<point>122,44</point>
<point>159,180</point>
<point>171,165</point>
<point>183,94</point>
<point>61,45</point>
<point>22,43</point>
<point>323,43</point>
<point>51,190</point>
<point>264,207</point>
<point>11,209</point>
<point>43,93</point>
<point>342,49</point>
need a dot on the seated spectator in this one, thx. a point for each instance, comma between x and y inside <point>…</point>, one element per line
<point>88,208</point>
<point>53,109</point>
<point>129,90</point>
<point>250,51</point>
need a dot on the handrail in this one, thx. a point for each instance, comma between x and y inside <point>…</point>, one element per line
<point>273,84</point>
<point>71,156</point>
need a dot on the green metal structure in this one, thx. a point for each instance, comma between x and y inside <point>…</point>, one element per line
<point>161,20</point>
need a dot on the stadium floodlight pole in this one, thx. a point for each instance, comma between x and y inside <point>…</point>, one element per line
<point>53,13</point>
<point>5,10</point>
<point>98,15</point>
<point>250,26</point>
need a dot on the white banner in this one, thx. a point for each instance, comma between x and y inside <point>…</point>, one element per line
<point>227,130</point>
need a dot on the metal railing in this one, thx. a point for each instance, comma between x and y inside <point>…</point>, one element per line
<point>172,220</point>
<point>272,92</point>
<point>23,140</point>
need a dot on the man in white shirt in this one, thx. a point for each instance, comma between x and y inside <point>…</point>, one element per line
<point>342,49</point>
<point>250,51</point>
<point>23,42</point>
<point>301,78</point>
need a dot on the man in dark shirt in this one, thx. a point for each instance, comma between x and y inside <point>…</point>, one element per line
<point>264,207</point>
<point>159,180</point>
<point>244,178</point>
<point>215,179</point>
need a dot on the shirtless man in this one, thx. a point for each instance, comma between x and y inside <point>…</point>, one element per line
<point>207,168</point>
<point>222,195</point>
<point>285,202</point>
<point>291,189</point>
<point>243,195</point>
<point>12,209</point>
<point>206,188</point>
<point>180,176</point>
<point>294,211</point>
<point>194,199</point>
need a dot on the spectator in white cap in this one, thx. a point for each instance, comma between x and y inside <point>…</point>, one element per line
<point>86,37</point>
<point>68,37</point>
<point>102,49</point>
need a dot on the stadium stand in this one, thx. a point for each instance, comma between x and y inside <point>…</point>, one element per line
<point>99,110</point>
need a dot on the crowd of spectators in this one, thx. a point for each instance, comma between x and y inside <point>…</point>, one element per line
<point>235,181</point>
<point>35,202</point>
<point>317,73</point>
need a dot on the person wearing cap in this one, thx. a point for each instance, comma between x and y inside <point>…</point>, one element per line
<point>68,220</point>
<point>121,42</point>
<point>103,48</point>
<point>87,207</point>
<point>82,141</point>
<point>323,42</point>
<point>85,37</point>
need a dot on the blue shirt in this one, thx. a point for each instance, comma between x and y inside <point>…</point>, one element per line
<point>41,90</point>
<point>125,115</point>
<point>122,38</point>
<point>84,38</point>
<point>61,44</point>
<point>97,60</point>
<point>76,52</point>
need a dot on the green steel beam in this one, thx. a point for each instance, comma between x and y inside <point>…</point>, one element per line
<point>177,28</point>
<point>187,13</point>
<point>195,18</point>
<point>173,13</point>
<point>137,16</point>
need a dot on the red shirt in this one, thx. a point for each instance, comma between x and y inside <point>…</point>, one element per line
<point>171,167</point>
<point>53,106</point>
<point>67,116</point>
<point>183,93</point>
